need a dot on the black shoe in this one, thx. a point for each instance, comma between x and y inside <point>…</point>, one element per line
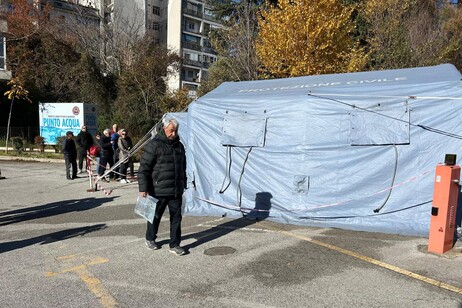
<point>177,250</point>
<point>69,178</point>
<point>152,245</point>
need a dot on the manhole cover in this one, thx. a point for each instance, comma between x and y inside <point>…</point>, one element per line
<point>219,251</point>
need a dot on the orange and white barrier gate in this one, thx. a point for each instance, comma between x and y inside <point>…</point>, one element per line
<point>443,216</point>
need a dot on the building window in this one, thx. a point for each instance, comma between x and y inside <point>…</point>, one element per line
<point>155,26</point>
<point>2,52</point>
<point>156,10</point>
<point>191,26</point>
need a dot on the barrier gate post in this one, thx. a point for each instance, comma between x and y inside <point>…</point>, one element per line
<point>443,215</point>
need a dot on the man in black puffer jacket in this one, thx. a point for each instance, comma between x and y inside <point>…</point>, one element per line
<point>84,141</point>
<point>162,174</point>
<point>107,154</point>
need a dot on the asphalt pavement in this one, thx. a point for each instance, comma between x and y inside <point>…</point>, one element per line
<point>64,246</point>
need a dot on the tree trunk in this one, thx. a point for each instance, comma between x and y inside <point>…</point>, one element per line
<point>8,127</point>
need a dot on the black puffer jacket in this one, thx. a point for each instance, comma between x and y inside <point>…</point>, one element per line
<point>162,169</point>
<point>84,140</point>
<point>106,147</point>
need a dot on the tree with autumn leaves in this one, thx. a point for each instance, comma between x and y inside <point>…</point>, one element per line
<point>308,37</point>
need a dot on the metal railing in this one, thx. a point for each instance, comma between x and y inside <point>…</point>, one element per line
<point>192,62</point>
<point>192,12</point>
<point>190,45</point>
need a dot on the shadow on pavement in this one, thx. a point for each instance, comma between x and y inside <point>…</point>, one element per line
<point>50,238</point>
<point>51,209</point>
<point>259,213</point>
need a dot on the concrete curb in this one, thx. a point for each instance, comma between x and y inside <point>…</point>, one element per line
<point>36,159</point>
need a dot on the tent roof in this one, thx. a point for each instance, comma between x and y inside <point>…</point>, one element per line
<point>348,81</point>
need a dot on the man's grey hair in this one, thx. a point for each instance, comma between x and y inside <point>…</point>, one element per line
<point>107,130</point>
<point>167,121</point>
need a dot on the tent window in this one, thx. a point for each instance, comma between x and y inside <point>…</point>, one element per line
<point>380,126</point>
<point>243,131</point>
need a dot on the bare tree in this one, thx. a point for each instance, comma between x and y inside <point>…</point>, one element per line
<point>235,45</point>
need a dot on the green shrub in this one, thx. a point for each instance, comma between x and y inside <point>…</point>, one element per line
<point>18,144</point>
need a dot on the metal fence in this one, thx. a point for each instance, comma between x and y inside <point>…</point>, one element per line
<point>27,133</point>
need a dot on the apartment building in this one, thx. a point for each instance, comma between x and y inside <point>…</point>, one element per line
<point>188,25</point>
<point>182,25</point>
<point>4,73</point>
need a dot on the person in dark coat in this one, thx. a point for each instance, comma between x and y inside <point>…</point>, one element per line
<point>106,153</point>
<point>125,145</point>
<point>115,148</point>
<point>70,156</point>
<point>84,140</point>
<point>162,174</point>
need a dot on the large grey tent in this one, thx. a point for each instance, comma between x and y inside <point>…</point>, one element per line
<point>355,151</point>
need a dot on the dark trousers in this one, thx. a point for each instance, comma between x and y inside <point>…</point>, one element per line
<point>123,170</point>
<point>132,167</point>
<point>116,160</point>
<point>82,157</point>
<point>174,208</point>
<point>103,161</point>
<point>70,162</point>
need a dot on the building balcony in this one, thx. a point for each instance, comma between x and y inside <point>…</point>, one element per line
<point>196,80</point>
<point>211,18</point>
<point>191,45</point>
<point>209,50</point>
<point>192,63</point>
<point>194,13</point>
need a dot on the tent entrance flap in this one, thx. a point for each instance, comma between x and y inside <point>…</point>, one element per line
<point>380,126</point>
<point>243,131</point>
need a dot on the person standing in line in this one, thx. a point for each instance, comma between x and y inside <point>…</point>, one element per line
<point>70,155</point>
<point>115,148</point>
<point>98,154</point>
<point>162,174</point>
<point>114,128</point>
<point>130,159</point>
<point>84,140</point>
<point>125,145</point>
<point>106,154</point>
